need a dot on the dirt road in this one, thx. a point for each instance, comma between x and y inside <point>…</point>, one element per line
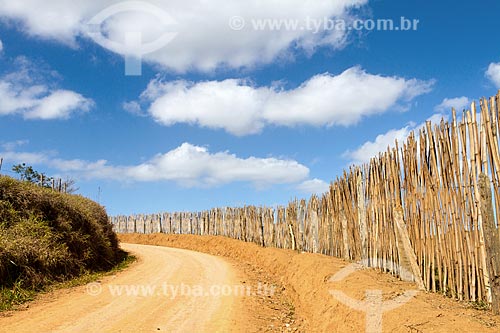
<point>167,290</point>
<point>306,280</point>
<point>301,302</point>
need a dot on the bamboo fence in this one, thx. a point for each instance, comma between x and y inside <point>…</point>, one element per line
<point>416,206</point>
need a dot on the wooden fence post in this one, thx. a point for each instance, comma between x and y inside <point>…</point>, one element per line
<point>491,240</point>
<point>301,218</point>
<point>292,237</point>
<point>345,236</point>
<point>261,219</point>
<point>363,230</point>
<point>406,254</point>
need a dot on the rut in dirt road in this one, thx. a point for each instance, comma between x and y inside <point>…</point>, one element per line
<point>167,290</point>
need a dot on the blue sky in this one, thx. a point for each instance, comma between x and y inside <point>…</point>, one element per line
<point>226,115</point>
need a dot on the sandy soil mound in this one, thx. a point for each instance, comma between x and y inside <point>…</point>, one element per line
<point>306,279</point>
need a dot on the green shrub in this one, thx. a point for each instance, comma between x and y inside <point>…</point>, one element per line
<point>48,237</point>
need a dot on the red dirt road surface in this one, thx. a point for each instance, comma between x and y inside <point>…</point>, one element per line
<point>150,305</point>
<point>299,300</point>
<point>304,279</point>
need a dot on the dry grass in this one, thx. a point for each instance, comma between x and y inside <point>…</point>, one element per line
<point>48,237</point>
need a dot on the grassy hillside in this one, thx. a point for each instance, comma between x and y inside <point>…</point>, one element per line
<point>48,237</point>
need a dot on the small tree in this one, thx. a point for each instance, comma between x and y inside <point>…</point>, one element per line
<point>69,185</point>
<point>28,174</point>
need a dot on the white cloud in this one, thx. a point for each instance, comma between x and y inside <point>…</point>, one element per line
<point>24,157</point>
<point>187,165</point>
<point>1,46</point>
<point>12,145</point>
<point>313,186</point>
<point>493,73</point>
<point>240,108</point>
<point>229,105</point>
<point>191,165</point>
<point>25,92</point>
<point>371,149</point>
<point>205,40</point>
<point>458,103</point>
<point>134,108</point>
<point>60,104</point>
<point>435,119</point>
